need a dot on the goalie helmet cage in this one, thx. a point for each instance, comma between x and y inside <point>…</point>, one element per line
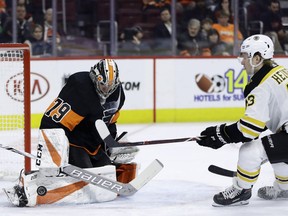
<point>15,126</point>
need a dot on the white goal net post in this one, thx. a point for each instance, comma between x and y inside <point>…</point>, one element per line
<point>15,126</point>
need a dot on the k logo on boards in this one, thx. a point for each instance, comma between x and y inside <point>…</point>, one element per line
<point>39,87</point>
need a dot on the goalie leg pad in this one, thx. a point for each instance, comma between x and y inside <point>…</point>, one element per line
<point>40,188</point>
<point>126,172</point>
<point>53,148</point>
<point>68,190</point>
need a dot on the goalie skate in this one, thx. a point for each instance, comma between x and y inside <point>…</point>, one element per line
<point>232,196</point>
<point>270,193</point>
<point>16,196</point>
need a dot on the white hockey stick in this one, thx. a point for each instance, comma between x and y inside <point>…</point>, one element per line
<point>120,188</point>
<point>26,154</point>
<point>117,187</point>
<point>112,143</point>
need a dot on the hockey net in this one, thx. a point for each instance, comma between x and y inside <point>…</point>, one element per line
<point>15,128</point>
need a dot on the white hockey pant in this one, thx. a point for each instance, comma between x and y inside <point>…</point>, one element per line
<point>251,155</point>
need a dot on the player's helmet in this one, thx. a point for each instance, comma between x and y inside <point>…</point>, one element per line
<point>105,76</point>
<point>258,43</point>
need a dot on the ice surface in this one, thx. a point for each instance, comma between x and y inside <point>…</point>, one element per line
<point>183,188</point>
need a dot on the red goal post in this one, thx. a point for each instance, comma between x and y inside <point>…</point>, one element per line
<point>15,107</point>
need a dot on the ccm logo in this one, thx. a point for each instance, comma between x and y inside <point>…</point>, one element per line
<point>39,154</point>
<point>96,180</point>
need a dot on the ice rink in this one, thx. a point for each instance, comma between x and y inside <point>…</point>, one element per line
<point>183,188</point>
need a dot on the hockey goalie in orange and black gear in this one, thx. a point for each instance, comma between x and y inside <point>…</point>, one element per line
<point>86,97</point>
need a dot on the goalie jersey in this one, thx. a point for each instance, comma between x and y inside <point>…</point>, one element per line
<point>76,109</point>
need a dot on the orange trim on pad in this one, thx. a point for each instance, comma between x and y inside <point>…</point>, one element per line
<point>53,152</point>
<point>57,194</point>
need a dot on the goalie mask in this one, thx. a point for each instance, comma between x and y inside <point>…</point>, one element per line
<point>105,76</point>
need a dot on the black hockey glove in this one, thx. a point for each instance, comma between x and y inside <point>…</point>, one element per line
<point>214,137</point>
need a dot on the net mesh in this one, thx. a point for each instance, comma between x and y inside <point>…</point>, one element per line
<point>11,111</point>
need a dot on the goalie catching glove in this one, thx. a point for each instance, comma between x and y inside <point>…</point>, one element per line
<point>123,155</point>
<point>214,137</point>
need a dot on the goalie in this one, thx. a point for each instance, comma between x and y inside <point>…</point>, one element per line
<point>86,97</point>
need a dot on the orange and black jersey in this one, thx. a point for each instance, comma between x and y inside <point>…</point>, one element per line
<point>76,109</point>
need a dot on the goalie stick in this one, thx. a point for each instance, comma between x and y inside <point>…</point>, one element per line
<point>112,143</point>
<point>117,187</point>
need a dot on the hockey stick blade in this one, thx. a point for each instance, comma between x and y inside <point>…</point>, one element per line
<point>225,172</point>
<point>111,143</point>
<point>117,187</point>
<point>221,171</point>
<point>26,154</point>
<point>146,175</point>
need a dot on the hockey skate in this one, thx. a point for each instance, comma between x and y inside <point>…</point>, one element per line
<point>16,196</point>
<point>232,196</point>
<point>271,193</point>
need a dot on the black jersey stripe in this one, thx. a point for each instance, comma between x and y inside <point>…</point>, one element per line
<point>282,179</point>
<point>247,176</point>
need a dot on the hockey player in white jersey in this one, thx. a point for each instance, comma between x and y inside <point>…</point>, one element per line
<point>266,98</point>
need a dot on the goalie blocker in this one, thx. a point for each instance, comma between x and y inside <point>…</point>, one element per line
<point>47,185</point>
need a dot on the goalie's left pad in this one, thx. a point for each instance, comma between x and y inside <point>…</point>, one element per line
<point>52,149</point>
<point>39,188</point>
<point>48,185</point>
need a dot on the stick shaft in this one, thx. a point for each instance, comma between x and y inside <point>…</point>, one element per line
<point>155,142</point>
<point>112,143</point>
<point>26,154</point>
